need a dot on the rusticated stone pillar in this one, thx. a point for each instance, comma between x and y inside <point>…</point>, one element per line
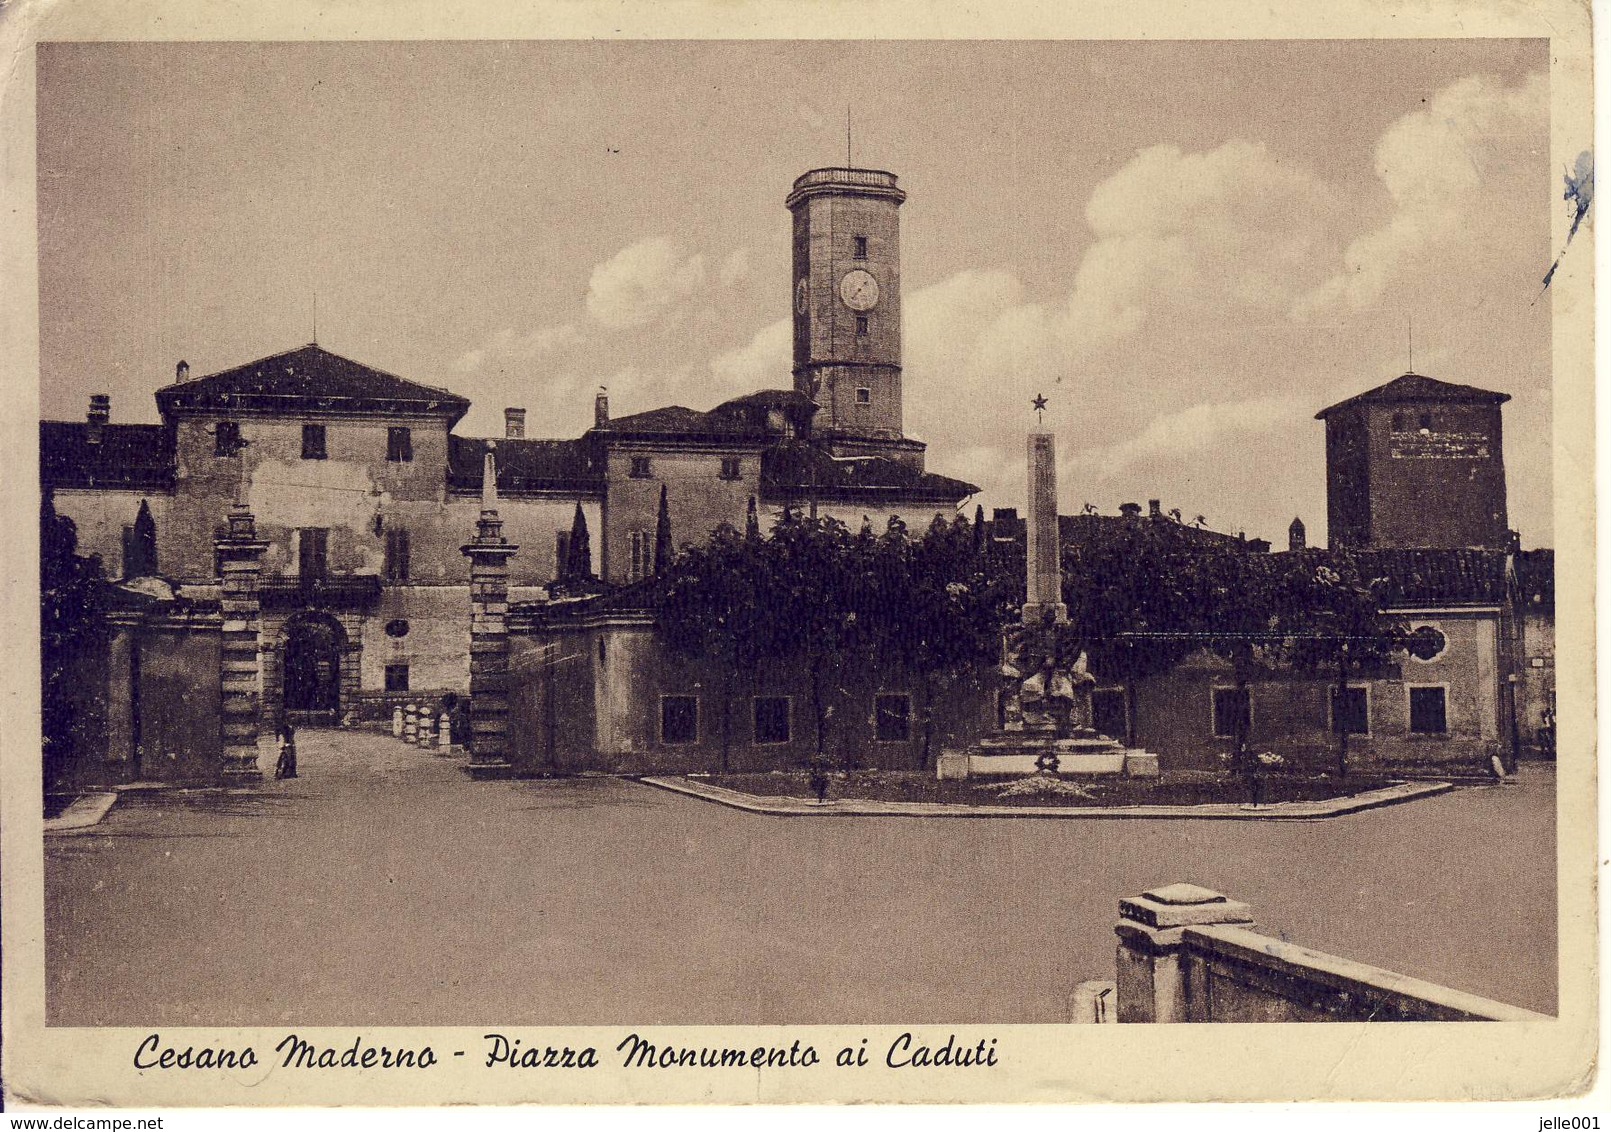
<point>240,556</point>
<point>489,554</point>
<point>1150,983</point>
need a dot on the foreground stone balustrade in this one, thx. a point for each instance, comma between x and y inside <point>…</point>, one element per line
<point>1190,954</point>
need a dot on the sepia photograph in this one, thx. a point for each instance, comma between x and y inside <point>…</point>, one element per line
<point>585,540</point>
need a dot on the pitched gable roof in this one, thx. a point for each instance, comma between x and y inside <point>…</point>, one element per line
<point>1417,387</point>
<point>309,378</point>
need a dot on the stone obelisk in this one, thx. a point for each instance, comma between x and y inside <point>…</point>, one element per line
<point>1045,590</point>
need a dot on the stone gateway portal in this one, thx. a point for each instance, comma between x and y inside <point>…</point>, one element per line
<point>312,666</point>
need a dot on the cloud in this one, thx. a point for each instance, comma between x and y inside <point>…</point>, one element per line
<point>735,268</point>
<point>509,346</point>
<point>1233,225</point>
<point>1451,170</point>
<point>764,363</point>
<point>642,282</point>
<point>1210,427</point>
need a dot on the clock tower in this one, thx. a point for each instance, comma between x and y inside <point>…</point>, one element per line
<point>847,300</point>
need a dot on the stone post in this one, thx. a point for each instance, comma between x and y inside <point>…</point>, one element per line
<point>1044,559</point>
<point>410,723</point>
<point>1150,983</point>
<point>489,554</point>
<point>397,722</point>
<point>444,733</point>
<point>121,693</point>
<point>240,556</point>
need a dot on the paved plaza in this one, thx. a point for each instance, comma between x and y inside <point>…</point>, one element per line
<point>384,887</point>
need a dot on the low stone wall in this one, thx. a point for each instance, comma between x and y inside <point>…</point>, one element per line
<point>1188,954</point>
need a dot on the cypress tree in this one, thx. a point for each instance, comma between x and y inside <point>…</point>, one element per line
<point>140,557</point>
<point>579,562</point>
<point>752,522</point>
<point>662,535</point>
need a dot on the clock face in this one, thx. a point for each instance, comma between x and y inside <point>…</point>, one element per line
<point>859,290</point>
<point>802,295</point>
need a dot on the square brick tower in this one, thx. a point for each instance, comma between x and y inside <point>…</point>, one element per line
<point>1416,463</point>
<point>847,299</point>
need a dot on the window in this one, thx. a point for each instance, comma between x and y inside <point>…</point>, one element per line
<point>861,326</point>
<point>1350,711</point>
<point>1429,712</point>
<point>864,395</point>
<point>641,468</point>
<point>1426,643</point>
<point>730,467</point>
<point>892,718</point>
<point>397,677</point>
<point>312,552</point>
<point>397,628</point>
<point>227,439</point>
<point>562,553</point>
<point>640,555</point>
<point>861,247</point>
<point>1109,713</point>
<point>399,445</point>
<point>1426,421</point>
<point>313,442</point>
<point>679,719</point>
<point>396,555</point>
<point>771,719</point>
<point>1231,709</point>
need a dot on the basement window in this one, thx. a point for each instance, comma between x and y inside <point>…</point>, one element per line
<point>1429,711</point>
<point>397,677</point>
<point>1350,711</point>
<point>771,719</point>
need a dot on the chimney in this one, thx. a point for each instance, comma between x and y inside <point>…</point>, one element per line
<point>1154,509</point>
<point>514,424</point>
<point>181,372</point>
<point>1297,537</point>
<point>1130,510</point>
<point>100,411</point>
<point>601,409</point>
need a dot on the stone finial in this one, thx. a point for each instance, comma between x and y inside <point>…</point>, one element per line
<point>489,479</point>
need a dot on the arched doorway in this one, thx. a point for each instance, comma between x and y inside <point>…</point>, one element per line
<point>311,666</point>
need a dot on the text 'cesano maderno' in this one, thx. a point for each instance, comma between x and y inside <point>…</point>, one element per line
<point>908,1051</point>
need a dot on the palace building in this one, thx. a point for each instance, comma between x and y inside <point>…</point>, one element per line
<point>361,498</point>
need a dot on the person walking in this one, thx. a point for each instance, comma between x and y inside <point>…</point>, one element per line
<point>286,766</point>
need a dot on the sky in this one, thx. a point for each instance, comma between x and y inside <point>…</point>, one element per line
<point>1188,247</point>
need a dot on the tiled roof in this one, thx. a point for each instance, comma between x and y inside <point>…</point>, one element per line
<point>309,378</point>
<point>1075,530</point>
<point>126,455</point>
<point>525,465</point>
<point>791,468</point>
<point>676,420</point>
<point>1428,576</point>
<point>1417,387</point>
